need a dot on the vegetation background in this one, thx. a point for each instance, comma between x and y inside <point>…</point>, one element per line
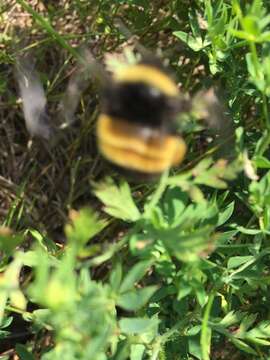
<point>95,268</point>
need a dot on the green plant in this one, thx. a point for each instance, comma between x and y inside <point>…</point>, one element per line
<point>177,269</point>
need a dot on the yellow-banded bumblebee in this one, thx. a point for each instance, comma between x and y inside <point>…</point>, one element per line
<point>140,103</point>
<point>136,127</point>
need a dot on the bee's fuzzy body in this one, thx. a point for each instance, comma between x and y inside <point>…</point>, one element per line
<point>135,129</point>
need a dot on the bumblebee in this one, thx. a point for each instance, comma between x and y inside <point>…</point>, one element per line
<point>136,126</point>
<point>140,104</point>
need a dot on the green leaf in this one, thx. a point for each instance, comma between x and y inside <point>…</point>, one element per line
<point>261,162</point>
<point>31,258</point>
<point>84,226</point>
<point>116,277</point>
<point>264,21</point>
<point>44,241</point>
<point>236,261</point>
<point>246,323</point>
<point>214,175</point>
<point>250,25</point>
<point>194,347</point>
<point>196,194</point>
<point>246,231</point>
<point>233,317</point>
<point>23,353</point>
<point>3,335</point>
<point>51,287</point>
<point>117,200</point>
<point>196,44</point>
<point>265,36</point>
<point>41,317</point>
<point>259,333</point>
<point>193,20</point>
<point>184,290</point>
<point>174,204</point>
<point>122,351</point>
<point>226,236</point>
<point>187,247</point>
<point>250,65</point>
<point>134,275</point>
<point>5,323</point>
<point>137,351</point>
<point>243,35</point>
<point>132,326</point>
<point>225,214</point>
<point>193,330</point>
<point>9,287</point>
<point>201,294</point>
<point>214,69</point>
<point>8,240</point>
<point>243,346</point>
<point>135,299</point>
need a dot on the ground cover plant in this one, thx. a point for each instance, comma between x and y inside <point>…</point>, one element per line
<point>96,267</point>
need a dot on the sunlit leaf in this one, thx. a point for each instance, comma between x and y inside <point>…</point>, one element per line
<point>117,200</point>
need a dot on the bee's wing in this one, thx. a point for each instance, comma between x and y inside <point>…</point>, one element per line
<point>69,103</point>
<point>207,106</point>
<point>87,68</point>
<point>33,99</point>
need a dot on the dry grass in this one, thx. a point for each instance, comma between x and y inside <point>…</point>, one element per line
<point>52,179</point>
<point>49,178</point>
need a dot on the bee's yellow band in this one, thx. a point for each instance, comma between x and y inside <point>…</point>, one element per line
<point>133,147</point>
<point>149,75</point>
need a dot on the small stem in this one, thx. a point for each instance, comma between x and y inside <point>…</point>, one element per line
<point>255,57</point>
<point>177,328</point>
<point>257,72</point>
<point>265,144</point>
<point>156,350</point>
<point>205,329</point>
<point>261,223</point>
<point>249,223</point>
<point>157,194</point>
<point>189,76</point>
<point>96,261</point>
<point>265,112</point>
<point>18,311</point>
